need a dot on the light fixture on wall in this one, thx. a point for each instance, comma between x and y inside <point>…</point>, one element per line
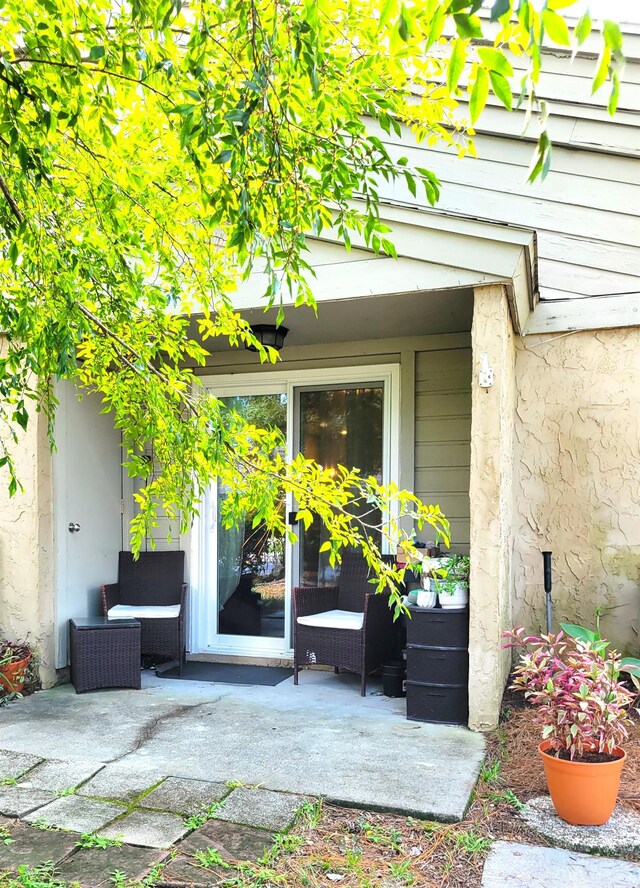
<point>268,335</point>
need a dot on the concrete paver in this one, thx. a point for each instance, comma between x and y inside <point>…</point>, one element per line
<point>151,829</point>
<point>119,781</point>
<point>232,841</point>
<point>260,808</point>
<point>17,801</point>
<point>33,847</point>
<point>58,776</point>
<point>15,764</point>
<point>185,797</point>
<point>620,835</point>
<point>513,865</point>
<point>93,867</point>
<point>77,814</point>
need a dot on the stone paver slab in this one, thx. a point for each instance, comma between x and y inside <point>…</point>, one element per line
<point>186,871</point>
<point>118,782</point>
<point>15,764</point>
<point>32,847</point>
<point>93,867</point>
<point>233,841</point>
<point>512,865</point>
<point>60,775</point>
<point>619,836</point>
<point>184,796</point>
<point>260,807</point>
<point>16,801</point>
<point>151,829</point>
<point>77,814</point>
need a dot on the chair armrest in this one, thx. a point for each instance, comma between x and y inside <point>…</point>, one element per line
<point>314,600</point>
<point>110,594</point>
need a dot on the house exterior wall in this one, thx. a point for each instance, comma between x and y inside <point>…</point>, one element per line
<point>577,485</point>
<point>27,602</point>
<point>491,496</point>
<point>443,436</point>
<point>435,412</point>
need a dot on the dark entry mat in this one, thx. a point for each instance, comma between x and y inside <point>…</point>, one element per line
<point>229,673</point>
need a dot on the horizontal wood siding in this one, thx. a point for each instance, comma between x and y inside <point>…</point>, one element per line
<point>443,436</point>
<point>586,213</point>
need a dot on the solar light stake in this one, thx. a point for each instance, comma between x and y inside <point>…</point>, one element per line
<point>546,560</point>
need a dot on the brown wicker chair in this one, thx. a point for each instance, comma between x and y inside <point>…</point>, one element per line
<point>359,649</point>
<point>154,580</point>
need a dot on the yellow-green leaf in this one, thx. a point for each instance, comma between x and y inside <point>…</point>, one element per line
<point>479,94</point>
<point>501,89</point>
<point>556,27</point>
<point>494,60</point>
<point>456,62</point>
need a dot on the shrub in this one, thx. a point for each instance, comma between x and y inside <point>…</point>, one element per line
<point>581,703</point>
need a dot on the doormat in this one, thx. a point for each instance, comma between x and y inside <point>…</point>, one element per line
<point>229,673</point>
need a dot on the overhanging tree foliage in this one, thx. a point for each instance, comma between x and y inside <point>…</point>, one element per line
<point>151,153</point>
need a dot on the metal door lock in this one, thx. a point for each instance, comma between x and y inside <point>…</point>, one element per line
<point>73,527</point>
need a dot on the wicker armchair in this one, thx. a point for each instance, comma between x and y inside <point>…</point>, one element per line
<point>152,591</point>
<point>347,626</point>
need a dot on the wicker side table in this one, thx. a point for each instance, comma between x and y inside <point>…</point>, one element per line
<point>104,653</point>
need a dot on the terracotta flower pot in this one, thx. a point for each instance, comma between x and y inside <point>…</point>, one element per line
<point>583,793</point>
<point>12,676</point>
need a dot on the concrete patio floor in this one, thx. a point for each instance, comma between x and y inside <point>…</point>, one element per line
<point>319,739</point>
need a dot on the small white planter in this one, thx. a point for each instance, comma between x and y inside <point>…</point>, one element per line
<point>458,598</point>
<point>427,595</point>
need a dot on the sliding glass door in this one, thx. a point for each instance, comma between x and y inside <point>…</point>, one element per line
<point>242,576</point>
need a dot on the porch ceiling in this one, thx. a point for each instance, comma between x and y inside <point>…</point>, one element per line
<point>374,317</point>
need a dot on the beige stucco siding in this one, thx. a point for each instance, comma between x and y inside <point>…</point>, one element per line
<point>27,604</point>
<point>443,435</point>
<point>491,495</point>
<point>577,486</point>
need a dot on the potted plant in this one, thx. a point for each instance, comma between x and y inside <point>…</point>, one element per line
<point>14,662</point>
<point>583,708</point>
<point>453,586</point>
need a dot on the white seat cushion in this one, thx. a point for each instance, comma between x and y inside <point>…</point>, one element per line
<point>335,619</point>
<point>143,612</point>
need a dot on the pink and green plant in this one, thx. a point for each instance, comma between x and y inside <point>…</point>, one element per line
<point>582,704</point>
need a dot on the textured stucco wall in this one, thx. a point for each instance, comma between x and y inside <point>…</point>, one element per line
<point>577,486</point>
<point>491,497</point>
<point>26,549</point>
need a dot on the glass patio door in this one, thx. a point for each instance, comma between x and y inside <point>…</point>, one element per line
<point>241,578</point>
<point>242,597</point>
<point>337,425</point>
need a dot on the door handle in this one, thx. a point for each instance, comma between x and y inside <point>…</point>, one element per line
<point>73,527</point>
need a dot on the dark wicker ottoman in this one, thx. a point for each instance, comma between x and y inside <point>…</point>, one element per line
<point>104,653</point>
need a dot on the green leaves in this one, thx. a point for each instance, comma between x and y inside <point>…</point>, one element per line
<point>494,60</point>
<point>456,63</point>
<point>556,27</point>
<point>501,89</point>
<point>583,28</point>
<point>479,94</point>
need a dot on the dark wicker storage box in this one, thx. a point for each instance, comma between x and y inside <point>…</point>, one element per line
<point>438,627</point>
<point>448,704</point>
<point>437,665</point>
<point>104,653</point>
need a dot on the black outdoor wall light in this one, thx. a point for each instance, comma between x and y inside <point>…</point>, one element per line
<point>268,335</point>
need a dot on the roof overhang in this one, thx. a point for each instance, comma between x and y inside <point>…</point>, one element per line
<point>436,251</point>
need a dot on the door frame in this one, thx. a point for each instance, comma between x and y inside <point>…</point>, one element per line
<point>287,382</point>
